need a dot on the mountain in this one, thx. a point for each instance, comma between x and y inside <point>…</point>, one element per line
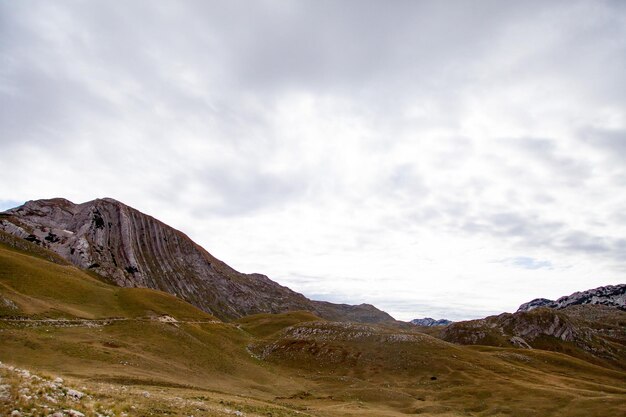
<point>590,325</point>
<point>132,249</point>
<point>610,296</point>
<point>72,345</point>
<point>429,322</point>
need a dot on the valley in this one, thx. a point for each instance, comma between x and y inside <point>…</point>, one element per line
<point>138,351</point>
<point>304,208</point>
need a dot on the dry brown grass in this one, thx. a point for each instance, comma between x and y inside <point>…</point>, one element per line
<point>265,365</point>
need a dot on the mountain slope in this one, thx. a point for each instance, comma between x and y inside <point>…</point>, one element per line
<point>34,287</point>
<point>595,333</point>
<point>133,249</point>
<point>140,352</point>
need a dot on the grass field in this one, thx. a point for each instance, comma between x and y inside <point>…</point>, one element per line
<point>143,352</point>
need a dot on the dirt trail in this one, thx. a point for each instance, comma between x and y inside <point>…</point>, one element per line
<point>99,322</point>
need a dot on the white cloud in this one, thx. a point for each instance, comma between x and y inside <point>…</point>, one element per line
<point>430,158</point>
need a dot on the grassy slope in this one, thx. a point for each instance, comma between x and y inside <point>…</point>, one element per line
<point>263,325</point>
<point>309,366</point>
<point>122,343</point>
<point>600,335</point>
<point>44,289</point>
<point>24,246</point>
<point>376,366</point>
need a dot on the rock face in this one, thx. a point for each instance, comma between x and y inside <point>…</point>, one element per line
<point>591,332</point>
<point>537,302</point>
<point>133,249</point>
<point>526,326</point>
<point>429,322</point>
<point>610,295</point>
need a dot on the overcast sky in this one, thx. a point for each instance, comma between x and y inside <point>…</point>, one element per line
<point>450,159</point>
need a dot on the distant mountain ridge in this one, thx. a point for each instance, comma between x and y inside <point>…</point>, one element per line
<point>609,295</point>
<point>133,249</point>
<point>587,324</point>
<point>430,322</point>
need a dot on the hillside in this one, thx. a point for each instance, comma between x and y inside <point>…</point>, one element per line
<point>144,352</point>
<point>132,249</point>
<point>595,333</point>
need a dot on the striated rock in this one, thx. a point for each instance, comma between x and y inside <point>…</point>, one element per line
<point>519,342</point>
<point>132,249</point>
<point>592,332</point>
<point>527,326</point>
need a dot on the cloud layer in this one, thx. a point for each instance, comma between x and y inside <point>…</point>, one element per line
<point>449,159</point>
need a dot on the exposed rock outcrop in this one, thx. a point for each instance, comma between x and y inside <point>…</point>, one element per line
<point>133,249</point>
<point>592,332</point>
<point>537,302</point>
<point>610,295</point>
<point>506,326</point>
<point>430,322</point>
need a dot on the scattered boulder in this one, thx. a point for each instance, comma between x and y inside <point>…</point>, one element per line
<point>74,394</point>
<point>519,342</point>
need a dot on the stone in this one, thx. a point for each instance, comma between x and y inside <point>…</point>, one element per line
<point>74,394</point>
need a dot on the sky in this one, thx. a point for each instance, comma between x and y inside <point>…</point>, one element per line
<point>449,159</point>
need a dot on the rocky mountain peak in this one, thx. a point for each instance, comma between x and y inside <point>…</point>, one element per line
<point>430,322</point>
<point>537,302</point>
<point>133,249</point>
<point>609,295</point>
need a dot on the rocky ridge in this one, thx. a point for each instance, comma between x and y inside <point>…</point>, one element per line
<point>133,249</point>
<point>430,322</point>
<point>587,324</point>
<point>526,326</point>
<point>610,295</point>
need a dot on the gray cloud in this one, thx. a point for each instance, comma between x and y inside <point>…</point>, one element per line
<point>568,170</point>
<point>249,189</point>
<point>528,263</point>
<point>346,139</point>
<point>611,141</point>
<point>512,225</point>
<point>534,232</point>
